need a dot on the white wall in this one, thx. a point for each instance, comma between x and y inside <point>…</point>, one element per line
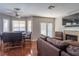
<point>58,24</point>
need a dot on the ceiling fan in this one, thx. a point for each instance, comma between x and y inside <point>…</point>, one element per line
<point>16,12</point>
<point>51,6</point>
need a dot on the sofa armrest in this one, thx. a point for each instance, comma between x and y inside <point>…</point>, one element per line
<point>47,49</point>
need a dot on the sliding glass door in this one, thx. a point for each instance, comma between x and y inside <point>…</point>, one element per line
<point>49,29</point>
<point>46,29</point>
<point>43,28</point>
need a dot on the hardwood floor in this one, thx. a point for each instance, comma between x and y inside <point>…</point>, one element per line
<point>27,50</point>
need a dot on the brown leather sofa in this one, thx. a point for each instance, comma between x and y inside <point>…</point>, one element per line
<point>72,49</point>
<point>47,46</point>
<point>46,49</point>
<point>50,47</point>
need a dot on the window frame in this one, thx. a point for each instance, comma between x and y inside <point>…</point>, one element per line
<point>47,26</point>
<point>8,26</point>
<point>19,25</point>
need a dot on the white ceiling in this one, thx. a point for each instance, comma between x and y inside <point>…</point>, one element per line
<point>40,9</point>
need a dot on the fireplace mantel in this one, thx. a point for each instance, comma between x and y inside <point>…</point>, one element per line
<point>71,33</point>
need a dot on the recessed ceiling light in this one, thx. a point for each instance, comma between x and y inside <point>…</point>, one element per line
<point>51,7</point>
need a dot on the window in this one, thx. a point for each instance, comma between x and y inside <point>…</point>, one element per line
<point>19,25</point>
<point>15,25</point>
<point>29,25</point>
<point>5,25</point>
<point>22,26</point>
<point>49,29</point>
<point>46,29</point>
<point>43,28</point>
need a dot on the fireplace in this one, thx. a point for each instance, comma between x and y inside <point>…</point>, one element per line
<point>71,37</point>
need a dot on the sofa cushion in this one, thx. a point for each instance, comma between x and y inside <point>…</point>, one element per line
<point>64,53</point>
<point>73,50</point>
<point>59,38</point>
<point>58,43</point>
<point>43,37</point>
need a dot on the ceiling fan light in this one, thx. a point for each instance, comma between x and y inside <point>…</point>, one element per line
<point>18,16</point>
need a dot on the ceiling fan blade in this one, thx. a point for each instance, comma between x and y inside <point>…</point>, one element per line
<point>11,12</point>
